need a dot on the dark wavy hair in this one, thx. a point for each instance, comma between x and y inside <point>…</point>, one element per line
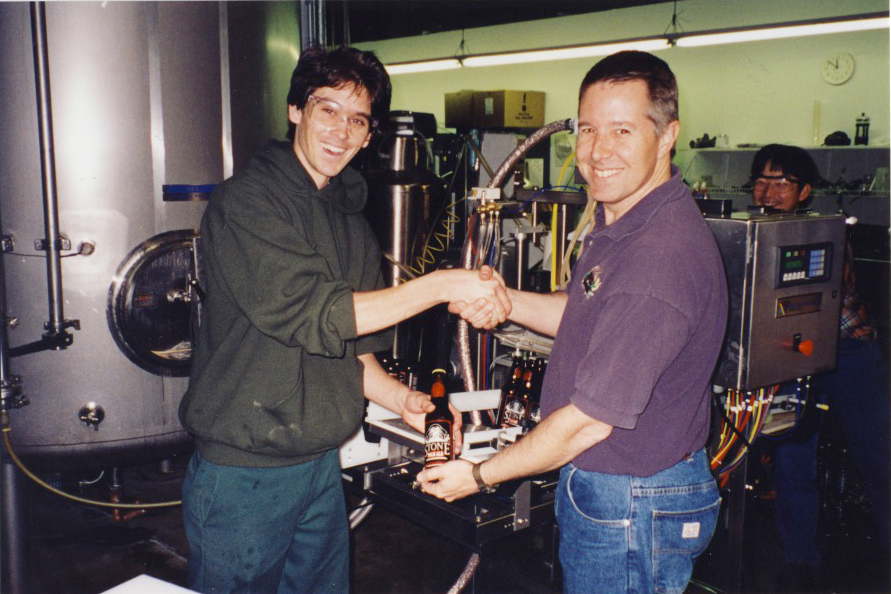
<point>633,65</point>
<point>320,67</point>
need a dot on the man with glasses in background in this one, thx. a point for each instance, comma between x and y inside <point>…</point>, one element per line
<point>782,177</point>
<point>295,309</point>
<point>856,393</point>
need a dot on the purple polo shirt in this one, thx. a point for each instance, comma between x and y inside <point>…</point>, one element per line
<point>641,333</point>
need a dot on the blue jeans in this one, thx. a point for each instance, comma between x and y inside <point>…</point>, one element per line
<point>620,533</point>
<point>266,530</point>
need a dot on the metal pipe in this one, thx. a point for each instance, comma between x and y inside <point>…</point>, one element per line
<point>534,220</point>
<point>563,230</point>
<point>225,86</point>
<point>13,532</point>
<point>521,259</point>
<point>312,24</point>
<point>10,385</point>
<point>56,323</point>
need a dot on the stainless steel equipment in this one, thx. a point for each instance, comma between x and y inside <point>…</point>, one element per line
<point>475,522</point>
<point>784,274</point>
<point>404,196</point>
<point>136,103</point>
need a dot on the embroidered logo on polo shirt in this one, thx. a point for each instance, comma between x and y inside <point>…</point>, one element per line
<point>592,282</point>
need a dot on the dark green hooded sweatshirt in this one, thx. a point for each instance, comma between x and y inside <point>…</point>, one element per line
<point>275,379</point>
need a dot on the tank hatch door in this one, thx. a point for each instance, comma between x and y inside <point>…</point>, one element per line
<point>153,302</point>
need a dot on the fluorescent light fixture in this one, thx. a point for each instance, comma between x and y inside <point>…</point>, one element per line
<point>565,53</point>
<point>845,24</point>
<point>781,32</point>
<point>425,66</point>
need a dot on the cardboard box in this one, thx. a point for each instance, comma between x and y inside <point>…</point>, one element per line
<point>508,109</point>
<point>494,109</point>
<point>459,109</point>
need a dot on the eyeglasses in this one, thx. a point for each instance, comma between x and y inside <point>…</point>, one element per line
<point>780,183</point>
<point>329,115</point>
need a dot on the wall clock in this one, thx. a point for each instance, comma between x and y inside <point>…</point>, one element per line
<point>838,68</point>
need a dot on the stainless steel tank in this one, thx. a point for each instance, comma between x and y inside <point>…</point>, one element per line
<point>404,198</point>
<point>137,104</point>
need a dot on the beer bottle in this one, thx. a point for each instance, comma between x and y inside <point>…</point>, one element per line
<point>507,390</point>
<point>533,412</point>
<point>518,400</point>
<point>438,447</point>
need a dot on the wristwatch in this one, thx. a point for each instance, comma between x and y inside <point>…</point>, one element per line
<point>480,483</point>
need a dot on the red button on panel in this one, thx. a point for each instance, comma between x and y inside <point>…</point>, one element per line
<point>806,347</point>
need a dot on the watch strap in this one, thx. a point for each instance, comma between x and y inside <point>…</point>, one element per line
<point>480,483</point>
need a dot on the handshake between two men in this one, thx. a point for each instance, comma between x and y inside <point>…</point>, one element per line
<point>486,311</point>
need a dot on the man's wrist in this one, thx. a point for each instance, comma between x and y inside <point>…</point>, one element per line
<point>406,395</point>
<point>478,477</point>
<point>434,286</point>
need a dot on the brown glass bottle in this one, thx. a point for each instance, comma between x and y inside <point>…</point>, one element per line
<point>533,411</point>
<point>517,401</point>
<point>513,382</point>
<point>438,446</point>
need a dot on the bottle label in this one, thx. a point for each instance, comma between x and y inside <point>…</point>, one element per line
<point>513,412</point>
<point>438,443</point>
<point>535,413</point>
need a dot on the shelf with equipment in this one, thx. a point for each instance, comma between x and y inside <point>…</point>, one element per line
<point>855,178</point>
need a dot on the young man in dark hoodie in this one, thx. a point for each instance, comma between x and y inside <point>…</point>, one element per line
<point>295,309</point>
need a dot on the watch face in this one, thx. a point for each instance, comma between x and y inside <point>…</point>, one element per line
<point>838,68</point>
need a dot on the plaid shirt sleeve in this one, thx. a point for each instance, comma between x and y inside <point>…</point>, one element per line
<point>855,321</point>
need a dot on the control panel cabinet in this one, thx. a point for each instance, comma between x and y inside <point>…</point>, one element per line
<point>784,276</point>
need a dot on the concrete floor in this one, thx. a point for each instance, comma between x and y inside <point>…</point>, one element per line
<point>77,549</point>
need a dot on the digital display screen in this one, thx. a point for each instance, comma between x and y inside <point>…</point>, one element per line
<point>799,264</point>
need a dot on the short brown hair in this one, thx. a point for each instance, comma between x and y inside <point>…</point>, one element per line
<point>647,68</point>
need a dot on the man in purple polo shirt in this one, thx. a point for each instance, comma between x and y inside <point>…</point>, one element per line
<point>637,333</point>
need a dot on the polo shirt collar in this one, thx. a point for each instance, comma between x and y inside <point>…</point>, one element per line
<point>643,211</point>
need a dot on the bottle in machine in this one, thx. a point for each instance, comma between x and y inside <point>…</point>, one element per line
<point>513,381</point>
<point>438,447</point>
<point>517,401</point>
<point>533,412</point>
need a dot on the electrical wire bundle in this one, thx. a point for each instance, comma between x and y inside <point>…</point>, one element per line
<point>799,401</point>
<point>743,415</point>
<point>485,235</point>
